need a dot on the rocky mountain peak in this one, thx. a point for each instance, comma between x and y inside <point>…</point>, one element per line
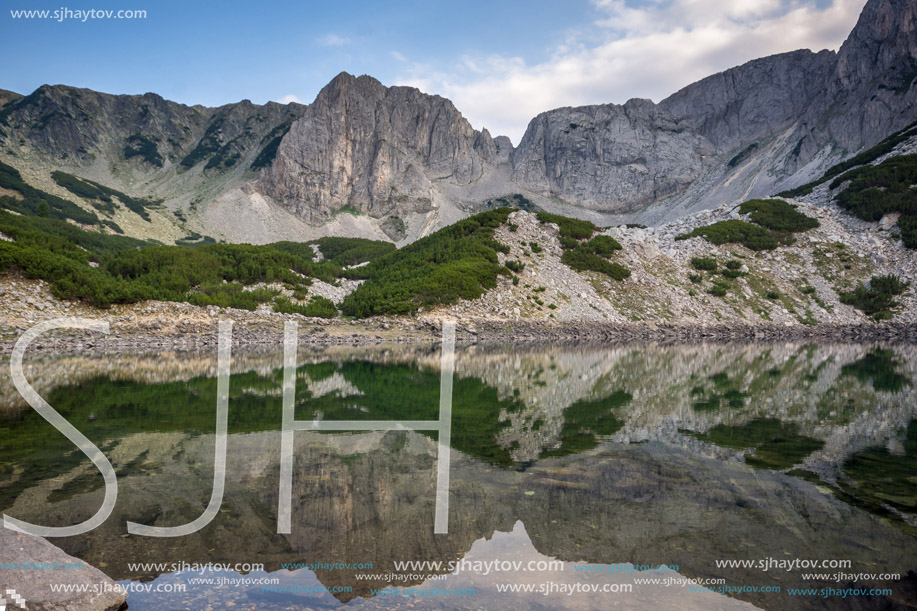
<point>379,150</point>
<point>883,45</point>
<point>346,85</point>
<point>8,96</point>
<point>752,101</point>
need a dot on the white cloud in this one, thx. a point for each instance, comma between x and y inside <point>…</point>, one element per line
<point>332,40</point>
<point>649,51</point>
<point>288,98</point>
<point>398,56</point>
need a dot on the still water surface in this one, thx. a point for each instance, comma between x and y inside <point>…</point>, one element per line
<point>573,470</point>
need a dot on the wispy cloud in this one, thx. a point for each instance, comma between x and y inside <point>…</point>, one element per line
<point>332,40</point>
<point>398,56</point>
<point>647,51</point>
<point>288,98</point>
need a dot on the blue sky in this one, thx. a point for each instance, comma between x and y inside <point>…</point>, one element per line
<point>500,62</point>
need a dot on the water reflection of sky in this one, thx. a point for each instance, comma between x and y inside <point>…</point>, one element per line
<point>477,586</point>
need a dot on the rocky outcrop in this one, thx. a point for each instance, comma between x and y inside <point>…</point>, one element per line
<point>609,157</point>
<point>186,157</point>
<point>73,125</point>
<point>32,564</point>
<point>773,123</point>
<point>790,115</point>
<point>374,149</point>
<point>876,67</point>
<point>752,101</point>
<point>8,96</point>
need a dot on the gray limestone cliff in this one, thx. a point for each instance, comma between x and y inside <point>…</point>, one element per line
<point>374,149</point>
<point>781,120</point>
<point>752,101</point>
<point>773,123</point>
<point>609,157</point>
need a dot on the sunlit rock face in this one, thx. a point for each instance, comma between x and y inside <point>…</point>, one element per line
<point>610,158</point>
<point>378,150</point>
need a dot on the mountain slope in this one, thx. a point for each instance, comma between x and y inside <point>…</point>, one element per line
<point>839,252</point>
<point>143,145</point>
<point>395,163</point>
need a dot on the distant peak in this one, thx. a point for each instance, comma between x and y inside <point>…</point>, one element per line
<point>342,77</point>
<point>345,78</point>
<point>347,85</point>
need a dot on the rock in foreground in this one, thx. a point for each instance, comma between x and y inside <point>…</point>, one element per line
<point>42,565</point>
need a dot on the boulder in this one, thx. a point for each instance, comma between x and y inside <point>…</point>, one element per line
<point>41,565</point>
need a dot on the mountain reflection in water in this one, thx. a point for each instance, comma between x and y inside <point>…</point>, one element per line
<point>649,455</point>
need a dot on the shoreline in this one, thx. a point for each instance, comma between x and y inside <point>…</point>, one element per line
<point>268,334</point>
